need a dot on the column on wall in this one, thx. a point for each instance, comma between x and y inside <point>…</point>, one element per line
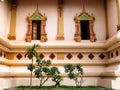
<point>106,19</point>
<point>118,7</point>
<point>12,35</point>
<point>60,32</point>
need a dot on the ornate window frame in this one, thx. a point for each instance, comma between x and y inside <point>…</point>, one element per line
<point>36,16</point>
<point>77,19</point>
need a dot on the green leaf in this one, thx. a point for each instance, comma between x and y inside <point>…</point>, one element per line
<point>39,62</point>
<point>68,67</point>
<point>46,70</point>
<point>71,75</point>
<point>30,67</point>
<point>31,50</point>
<point>48,62</point>
<point>57,78</point>
<point>38,72</point>
<point>54,70</point>
<point>43,63</point>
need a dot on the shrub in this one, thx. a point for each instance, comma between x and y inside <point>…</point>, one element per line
<point>43,72</point>
<point>74,72</point>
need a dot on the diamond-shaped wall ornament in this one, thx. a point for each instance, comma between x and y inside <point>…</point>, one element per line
<point>111,55</point>
<point>102,56</point>
<point>19,56</point>
<point>80,56</point>
<point>91,56</point>
<point>117,53</point>
<point>30,56</point>
<point>52,56</point>
<point>69,56</point>
<point>4,55</point>
<point>41,56</point>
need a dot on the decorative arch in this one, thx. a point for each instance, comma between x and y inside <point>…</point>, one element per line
<point>36,27</point>
<point>87,21</point>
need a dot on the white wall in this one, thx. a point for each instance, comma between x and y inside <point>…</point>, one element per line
<point>112,17</point>
<point>70,9</point>
<point>4,18</point>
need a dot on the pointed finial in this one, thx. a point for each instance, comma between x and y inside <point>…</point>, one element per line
<point>37,8</point>
<point>83,5</point>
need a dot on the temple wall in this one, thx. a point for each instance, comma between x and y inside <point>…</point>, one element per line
<point>100,60</point>
<point>70,9</point>
<point>4,18</point>
<point>112,17</point>
<point>67,82</point>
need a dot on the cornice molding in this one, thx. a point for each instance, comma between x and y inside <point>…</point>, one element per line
<point>8,45</point>
<point>88,74</point>
<point>7,62</point>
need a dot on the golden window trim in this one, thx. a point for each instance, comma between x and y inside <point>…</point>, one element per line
<point>43,20</point>
<point>77,19</point>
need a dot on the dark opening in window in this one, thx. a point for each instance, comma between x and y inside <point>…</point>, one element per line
<point>36,30</point>
<point>85,29</point>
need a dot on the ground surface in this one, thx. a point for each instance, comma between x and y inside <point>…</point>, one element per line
<point>59,88</point>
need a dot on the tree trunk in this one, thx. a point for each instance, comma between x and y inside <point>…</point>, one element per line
<point>31,76</point>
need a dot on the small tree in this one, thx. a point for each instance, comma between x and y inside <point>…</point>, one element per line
<point>43,71</point>
<point>33,53</point>
<point>74,72</point>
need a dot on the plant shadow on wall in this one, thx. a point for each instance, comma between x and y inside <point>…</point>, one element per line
<point>44,71</point>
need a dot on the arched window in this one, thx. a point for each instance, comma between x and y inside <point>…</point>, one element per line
<point>36,27</point>
<point>84,27</point>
